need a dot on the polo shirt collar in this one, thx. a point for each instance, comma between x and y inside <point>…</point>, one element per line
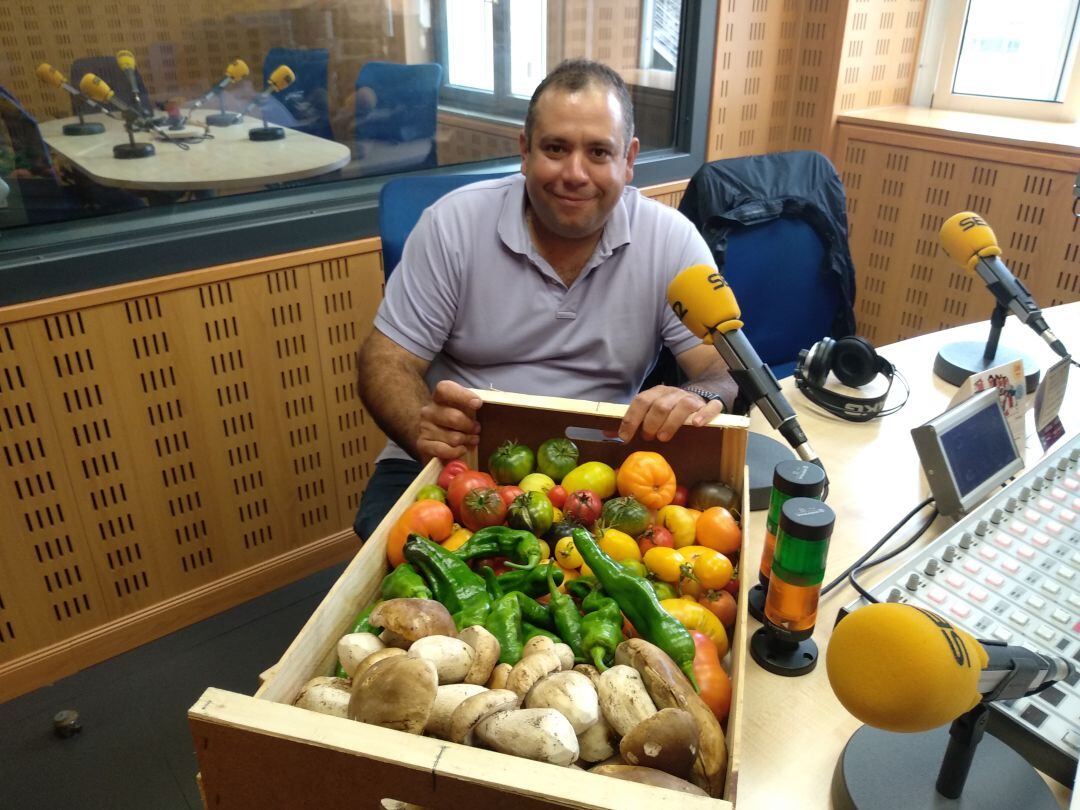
<point>514,231</point>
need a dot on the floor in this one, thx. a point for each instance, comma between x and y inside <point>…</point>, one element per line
<point>135,750</point>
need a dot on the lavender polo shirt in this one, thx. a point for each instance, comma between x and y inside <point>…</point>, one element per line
<point>473,296</point>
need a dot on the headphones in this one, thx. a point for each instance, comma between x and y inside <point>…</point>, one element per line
<point>855,363</point>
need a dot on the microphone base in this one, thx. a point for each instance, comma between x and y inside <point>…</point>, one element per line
<point>84,128</point>
<point>762,456</point>
<point>131,151</point>
<point>787,659</point>
<point>887,770</point>
<point>266,133</point>
<point>223,119</point>
<point>958,361</point>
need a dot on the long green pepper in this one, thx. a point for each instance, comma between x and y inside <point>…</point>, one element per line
<point>452,582</point>
<point>404,583</point>
<point>531,583</point>
<point>564,614</point>
<point>504,622</point>
<point>601,628</point>
<point>501,541</point>
<point>638,601</point>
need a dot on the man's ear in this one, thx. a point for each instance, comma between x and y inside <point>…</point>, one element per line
<point>631,155</point>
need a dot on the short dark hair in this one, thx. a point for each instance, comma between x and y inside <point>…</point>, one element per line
<point>577,74</point>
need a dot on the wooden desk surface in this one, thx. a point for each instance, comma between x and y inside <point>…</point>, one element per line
<point>794,729</point>
<point>228,162</point>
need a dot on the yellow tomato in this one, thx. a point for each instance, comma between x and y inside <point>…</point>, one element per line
<point>457,538</point>
<point>567,555</point>
<point>592,475</point>
<point>557,514</point>
<point>680,522</point>
<point>664,563</point>
<point>693,616</point>
<point>713,571</point>
<point>537,482</point>
<point>693,552</point>
<point>585,571</point>
<point>619,545</point>
<point>545,551</point>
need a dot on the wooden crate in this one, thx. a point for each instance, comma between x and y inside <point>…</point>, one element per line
<point>263,752</point>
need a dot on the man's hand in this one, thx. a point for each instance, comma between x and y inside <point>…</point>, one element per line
<point>448,425</point>
<point>659,413</point>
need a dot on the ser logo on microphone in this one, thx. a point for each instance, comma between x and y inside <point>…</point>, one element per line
<point>956,646</point>
<point>974,221</point>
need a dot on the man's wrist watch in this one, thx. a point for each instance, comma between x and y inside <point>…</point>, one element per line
<point>705,394</point>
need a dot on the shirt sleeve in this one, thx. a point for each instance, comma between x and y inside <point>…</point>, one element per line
<point>692,250</point>
<point>420,301</point>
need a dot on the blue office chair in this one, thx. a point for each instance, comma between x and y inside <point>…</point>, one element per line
<point>305,101</point>
<point>107,70</point>
<point>402,201</point>
<point>397,105</point>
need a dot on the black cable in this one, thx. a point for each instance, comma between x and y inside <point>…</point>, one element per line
<point>903,547</point>
<point>873,549</point>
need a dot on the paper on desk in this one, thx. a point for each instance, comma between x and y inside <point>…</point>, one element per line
<point>1048,398</point>
<point>1008,378</point>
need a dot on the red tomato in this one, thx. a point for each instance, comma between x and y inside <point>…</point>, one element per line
<point>450,472</point>
<point>733,586</point>
<point>509,492</point>
<point>482,507</point>
<point>431,519</point>
<point>584,506</point>
<point>682,495</point>
<point>462,483</point>
<point>557,496</point>
<point>722,604</point>
<point>655,536</point>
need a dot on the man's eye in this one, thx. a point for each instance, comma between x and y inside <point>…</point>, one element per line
<point>600,152</point>
<point>553,149</point>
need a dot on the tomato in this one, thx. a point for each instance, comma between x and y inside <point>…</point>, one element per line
<point>450,471</point>
<point>691,553</point>
<point>508,492</point>
<point>663,590</point>
<point>626,514</point>
<point>705,494</point>
<point>714,684</point>
<point>655,536</point>
<point>680,522</point>
<point>557,496</point>
<point>567,555</point>
<point>693,616</point>
<point>531,511</point>
<point>619,545</point>
<point>511,462</point>
<point>592,475</point>
<point>556,457</point>
<point>545,551</point>
<point>457,538</point>
<point>584,506</point>
<point>482,507</point>
<point>648,477</point>
<point>462,483</point>
<point>716,528</point>
<point>537,482</point>
<point>682,494</point>
<point>713,570</point>
<point>723,606</point>
<point>664,563</point>
<point>432,492</point>
<point>431,519</point>
<point>635,567</point>
<point>733,586</point>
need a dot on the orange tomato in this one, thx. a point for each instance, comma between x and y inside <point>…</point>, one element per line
<point>716,528</point>
<point>713,570</point>
<point>713,680</point>
<point>723,606</point>
<point>432,519</point>
<point>648,477</point>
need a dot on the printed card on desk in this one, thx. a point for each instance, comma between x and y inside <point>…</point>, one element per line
<point>1008,378</point>
<point>1048,398</point>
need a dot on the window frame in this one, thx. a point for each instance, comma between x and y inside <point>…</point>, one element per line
<point>950,19</point>
<point>44,261</point>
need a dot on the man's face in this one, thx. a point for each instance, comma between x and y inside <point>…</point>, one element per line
<point>575,169</point>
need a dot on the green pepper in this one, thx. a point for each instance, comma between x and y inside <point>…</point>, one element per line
<point>532,611</point>
<point>461,590</point>
<point>360,625</point>
<point>404,583</point>
<point>504,622</point>
<point>531,583</point>
<point>582,586</point>
<point>491,582</point>
<point>638,601</point>
<point>501,541</point>
<point>564,614</point>
<point>531,631</point>
<point>601,629</point>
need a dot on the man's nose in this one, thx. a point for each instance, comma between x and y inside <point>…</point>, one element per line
<point>574,169</point>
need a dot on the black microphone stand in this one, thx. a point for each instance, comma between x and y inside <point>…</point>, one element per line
<point>84,127</point>
<point>223,119</point>
<point>132,149</point>
<point>265,132</point>
<point>955,362</point>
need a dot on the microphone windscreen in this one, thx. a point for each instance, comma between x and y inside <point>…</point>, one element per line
<point>237,70</point>
<point>703,301</point>
<point>126,60</point>
<point>95,88</point>
<point>901,668</point>
<point>966,237</point>
<point>282,77</point>
<point>50,75</point>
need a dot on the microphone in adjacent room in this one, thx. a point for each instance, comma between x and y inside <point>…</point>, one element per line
<point>971,243</point>
<point>899,668</point>
<point>99,91</point>
<point>126,61</point>
<point>236,71</point>
<point>53,77</point>
<point>278,80</point>
<point>704,302</point>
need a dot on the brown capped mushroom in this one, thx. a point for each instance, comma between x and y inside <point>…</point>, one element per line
<point>648,776</point>
<point>406,620</point>
<point>396,693</point>
<point>667,741</point>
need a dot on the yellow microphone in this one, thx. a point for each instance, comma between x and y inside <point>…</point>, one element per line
<point>50,75</point>
<point>237,70</point>
<point>971,243</point>
<point>701,298</point>
<point>96,88</point>
<point>281,78</point>
<point>126,60</point>
<point>898,667</point>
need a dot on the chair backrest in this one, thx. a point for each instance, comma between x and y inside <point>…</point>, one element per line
<point>108,71</point>
<point>406,100</point>
<point>28,147</point>
<point>306,99</point>
<point>787,303</point>
<point>402,201</point>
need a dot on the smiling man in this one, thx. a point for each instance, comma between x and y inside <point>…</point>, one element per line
<point>550,282</point>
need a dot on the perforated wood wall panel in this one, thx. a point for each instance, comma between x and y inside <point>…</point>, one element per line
<point>902,188</point>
